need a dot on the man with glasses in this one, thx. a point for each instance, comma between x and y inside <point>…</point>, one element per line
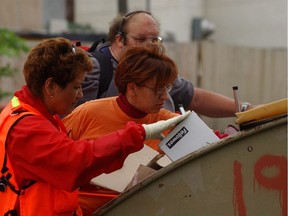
<point>139,28</point>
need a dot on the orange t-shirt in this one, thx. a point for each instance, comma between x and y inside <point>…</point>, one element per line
<point>99,117</point>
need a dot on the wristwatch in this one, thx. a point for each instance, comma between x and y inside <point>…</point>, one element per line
<point>244,106</point>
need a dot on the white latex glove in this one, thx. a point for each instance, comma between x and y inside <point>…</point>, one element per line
<point>154,131</point>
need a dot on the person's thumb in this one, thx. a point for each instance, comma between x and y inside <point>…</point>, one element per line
<point>175,120</point>
<point>154,131</point>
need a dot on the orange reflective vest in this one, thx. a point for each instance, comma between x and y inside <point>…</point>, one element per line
<point>36,198</point>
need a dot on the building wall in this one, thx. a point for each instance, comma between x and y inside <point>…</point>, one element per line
<point>96,12</point>
<point>21,15</point>
<point>53,10</point>
<point>260,23</point>
<point>257,23</point>
<point>176,17</point>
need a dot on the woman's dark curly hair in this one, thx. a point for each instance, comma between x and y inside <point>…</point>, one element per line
<point>57,58</point>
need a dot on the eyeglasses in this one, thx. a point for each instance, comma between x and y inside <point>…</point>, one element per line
<point>145,39</point>
<point>159,91</point>
<point>123,23</point>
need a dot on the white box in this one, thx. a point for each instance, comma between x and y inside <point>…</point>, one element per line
<point>188,136</point>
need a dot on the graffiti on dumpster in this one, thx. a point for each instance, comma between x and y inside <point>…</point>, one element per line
<point>277,182</point>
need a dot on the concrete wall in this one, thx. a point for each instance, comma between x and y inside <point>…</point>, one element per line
<point>96,12</point>
<point>175,16</point>
<point>256,23</point>
<point>252,23</point>
<point>53,10</point>
<point>260,23</point>
<point>21,15</point>
<point>31,15</point>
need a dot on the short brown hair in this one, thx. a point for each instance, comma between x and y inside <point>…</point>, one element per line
<point>119,24</point>
<point>57,58</point>
<point>139,64</point>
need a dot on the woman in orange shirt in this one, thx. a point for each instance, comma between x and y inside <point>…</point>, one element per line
<point>143,78</point>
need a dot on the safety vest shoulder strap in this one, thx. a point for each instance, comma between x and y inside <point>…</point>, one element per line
<point>12,113</point>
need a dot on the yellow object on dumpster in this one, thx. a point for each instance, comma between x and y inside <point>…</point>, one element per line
<point>266,111</point>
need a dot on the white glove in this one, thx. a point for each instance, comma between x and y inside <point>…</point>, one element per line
<point>154,131</point>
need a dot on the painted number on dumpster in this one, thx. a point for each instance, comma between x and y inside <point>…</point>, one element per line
<point>277,182</point>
